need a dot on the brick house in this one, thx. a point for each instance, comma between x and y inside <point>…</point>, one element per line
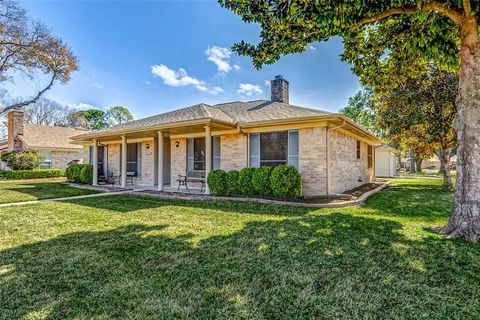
<point>333,153</point>
<point>52,142</point>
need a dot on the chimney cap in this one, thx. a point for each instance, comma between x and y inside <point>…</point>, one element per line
<point>278,77</point>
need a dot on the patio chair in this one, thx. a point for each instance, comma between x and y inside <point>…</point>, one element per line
<point>192,176</point>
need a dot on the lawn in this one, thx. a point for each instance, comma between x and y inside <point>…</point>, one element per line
<point>128,257</point>
<point>37,189</point>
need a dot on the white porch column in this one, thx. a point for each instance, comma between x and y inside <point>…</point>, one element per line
<point>124,162</point>
<point>95,162</point>
<point>208,155</point>
<point>160,161</point>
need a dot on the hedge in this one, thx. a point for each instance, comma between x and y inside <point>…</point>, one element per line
<point>283,182</point>
<point>22,160</point>
<point>80,173</point>
<point>31,174</point>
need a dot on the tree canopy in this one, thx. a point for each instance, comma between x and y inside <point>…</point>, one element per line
<point>118,115</point>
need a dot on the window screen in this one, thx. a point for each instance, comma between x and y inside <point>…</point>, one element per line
<point>293,148</point>
<point>359,149</point>
<point>370,156</point>
<point>216,152</point>
<point>133,158</point>
<point>254,150</point>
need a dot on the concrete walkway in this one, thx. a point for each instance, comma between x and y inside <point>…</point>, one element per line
<point>64,199</point>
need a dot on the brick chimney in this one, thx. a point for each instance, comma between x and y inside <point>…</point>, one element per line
<point>279,87</point>
<point>15,130</point>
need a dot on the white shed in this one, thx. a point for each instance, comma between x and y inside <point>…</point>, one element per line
<point>386,161</point>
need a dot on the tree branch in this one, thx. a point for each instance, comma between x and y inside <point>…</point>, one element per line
<point>34,99</point>
<point>467,7</point>
<point>454,15</point>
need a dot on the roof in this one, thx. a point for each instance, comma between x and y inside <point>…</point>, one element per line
<point>387,148</point>
<point>49,137</point>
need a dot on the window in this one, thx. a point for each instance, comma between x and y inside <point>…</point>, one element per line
<point>133,158</point>
<point>370,156</point>
<point>196,154</point>
<point>274,148</point>
<point>100,158</point>
<point>359,150</point>
<point>47,162</point>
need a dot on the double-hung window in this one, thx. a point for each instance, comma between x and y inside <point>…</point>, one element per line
<point>196,154</point>
<point>370,156</point>
<point>274,148</point>
<point>359,150</point>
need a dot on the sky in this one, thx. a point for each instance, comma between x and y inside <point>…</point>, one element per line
<point>157,56</point>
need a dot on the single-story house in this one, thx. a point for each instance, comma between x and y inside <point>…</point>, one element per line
<point>52,142</point>
<point>333,153</point>
<point>386,161</point>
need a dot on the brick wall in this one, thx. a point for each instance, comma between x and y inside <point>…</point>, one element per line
<point>148,163</point>
<point>113,159</point>
<point>60,159</point>
<point>346,171</point>
<point>233,151</point>
<point>178,159</point>
<point>312,160</point>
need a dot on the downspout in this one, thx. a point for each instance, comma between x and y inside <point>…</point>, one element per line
<point>327,149</point>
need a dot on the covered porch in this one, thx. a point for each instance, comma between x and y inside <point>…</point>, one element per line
<point>142,159</point>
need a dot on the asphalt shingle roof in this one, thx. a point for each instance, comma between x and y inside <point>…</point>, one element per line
<point>50,137</point>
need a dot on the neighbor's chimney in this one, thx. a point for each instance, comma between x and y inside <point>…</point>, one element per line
<point>15,130</point>
<point>279,87</point>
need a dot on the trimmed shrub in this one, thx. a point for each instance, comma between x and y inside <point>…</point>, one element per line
<point>73,172</point>
<point>86,174</point>
<point>31,174</point>
<point>232,182</point>
<point>245,181</point>
<point>22,160</point>
<point>217,182</point>
<point>286,182</point>
<point>261,181</point>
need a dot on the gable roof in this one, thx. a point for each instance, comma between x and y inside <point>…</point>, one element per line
<point>49,137</point>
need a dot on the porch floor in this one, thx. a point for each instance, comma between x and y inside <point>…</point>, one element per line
<point>166,188</point>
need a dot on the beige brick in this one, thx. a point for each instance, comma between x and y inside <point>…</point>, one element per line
<point>178,159</point>
<point>60,159</point>
<point>312,160</point>
<point>233,151</point>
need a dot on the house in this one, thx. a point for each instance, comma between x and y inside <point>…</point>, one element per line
<point>333,153</point>
<point>386,161</point>
<point>52,142</point>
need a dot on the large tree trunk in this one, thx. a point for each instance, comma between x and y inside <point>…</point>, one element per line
<point>445,164</point>
<point>465,218</point>
<point>439,154</point>
<point>411,162</point>
<point>418,164</point>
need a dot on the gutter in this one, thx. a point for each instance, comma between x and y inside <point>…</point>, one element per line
<point>327,149</point>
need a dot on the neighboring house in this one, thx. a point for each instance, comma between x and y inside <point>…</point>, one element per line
<point>52,142</point>
<point>386,161</point>
<point>332,153</point>
<point>434,162</point>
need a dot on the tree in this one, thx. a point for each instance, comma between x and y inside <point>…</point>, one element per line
<point>425,107</point>
<point>442,31</point>
<point>118,115</point>
<point>46,112</point>
<point>27,49</point>
<point>360,109</point>
<point>94,119</point>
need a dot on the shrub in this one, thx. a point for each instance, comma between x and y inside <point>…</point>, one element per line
<point>232,182</point>
<point>73,172</point>
<point>217,182</point>
<point>86,174</point>
<point>22,160</point>
<point>31,174</point>
<point>261,181</point>
<point>286,182</point>
<point>245,181</point>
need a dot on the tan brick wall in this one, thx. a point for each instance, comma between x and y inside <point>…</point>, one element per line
<point>113,159</point>
<point>312,160</point>
<point>148,162</point>
<point>178,159</point>
<point>60,159</point>
<point>233,151</point>
<point>346,171</point>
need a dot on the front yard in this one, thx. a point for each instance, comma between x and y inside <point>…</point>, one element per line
<point>135,257</point>
<point>37,189</point>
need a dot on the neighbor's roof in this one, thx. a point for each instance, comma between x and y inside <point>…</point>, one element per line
<point>49,137</point>
<point>388,148</point>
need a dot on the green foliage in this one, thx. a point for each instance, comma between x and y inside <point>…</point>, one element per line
<point>261,181</point>
<point>86,174</point>
<point>22,160</point>
<point>245,181</point>
<point>118,115</point>
<point>31,174</point>
<point>80,173</point>
<point>286,182</point>
<point>232,182</point>
<point>94,118</point>
<point>217,182</point>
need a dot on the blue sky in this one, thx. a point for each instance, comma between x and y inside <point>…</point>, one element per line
<point>155,56</point>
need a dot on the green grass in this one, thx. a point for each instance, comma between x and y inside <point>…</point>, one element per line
<point>127,257</point>
<point>37,189</point>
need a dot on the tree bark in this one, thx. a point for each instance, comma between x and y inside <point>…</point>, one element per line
<point>465,218</point>
<point>418,164</point>
<point>445,164</point>
<point>411,162</point>
<point>439,154</point>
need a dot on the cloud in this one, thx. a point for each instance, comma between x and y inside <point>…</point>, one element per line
<point>267,83</point>
<point>97,85</point>
<point>221,58</point>
<point>311,47</point>
<point>81,106</point>
<point>248,89</point>
<point>181,78</point>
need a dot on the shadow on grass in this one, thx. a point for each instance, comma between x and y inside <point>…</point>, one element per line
<point>332,266</point>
